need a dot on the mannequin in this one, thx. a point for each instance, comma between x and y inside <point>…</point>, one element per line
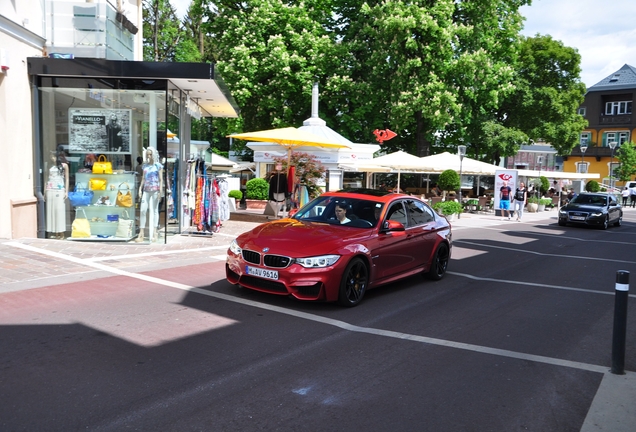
<point>56,193</point>
<point>277,189</point>
<point>150,190</point>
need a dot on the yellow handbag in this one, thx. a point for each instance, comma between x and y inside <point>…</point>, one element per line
<point>124,199</point>
<point>97,184</point>
<point>81,228</point>
<point>102,166</point>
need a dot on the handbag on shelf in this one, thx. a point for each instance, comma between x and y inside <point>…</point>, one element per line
<point>97,184</point>
<point>80,196</point>
<point>102,166</point>
<point>124,226</point>
<point>124,199</point>
<point>81,228</point>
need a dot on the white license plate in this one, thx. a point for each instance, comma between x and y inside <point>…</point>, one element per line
<point>577,217</point>
<point>267,274</point>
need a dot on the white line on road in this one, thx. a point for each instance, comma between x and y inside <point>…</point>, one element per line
<point>577,257</point>
<point>534,284</point>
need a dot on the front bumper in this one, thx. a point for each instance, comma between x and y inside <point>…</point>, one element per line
<point>296,281</point>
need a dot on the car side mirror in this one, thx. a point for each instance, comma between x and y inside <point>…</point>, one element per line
<point>391,225</point>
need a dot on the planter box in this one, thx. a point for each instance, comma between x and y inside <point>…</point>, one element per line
<point>532,207</point>
<point>256,204</point>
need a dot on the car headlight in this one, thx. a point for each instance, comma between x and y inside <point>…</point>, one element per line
<point>563,212</point>
<point>234,248</point>
<point>597,214</point>
<point>318,261</point>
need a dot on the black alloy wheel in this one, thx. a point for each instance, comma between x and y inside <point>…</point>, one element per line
<point>562,222</point>
<point>619,221</point>
<point>440,262</point>
<point>354,283</point>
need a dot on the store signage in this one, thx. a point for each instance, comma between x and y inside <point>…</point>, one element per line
<point>102,131</point>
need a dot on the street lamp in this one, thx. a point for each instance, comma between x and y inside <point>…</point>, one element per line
<point>461,151</point>
<point>612,145</point>
<point>583,148</point>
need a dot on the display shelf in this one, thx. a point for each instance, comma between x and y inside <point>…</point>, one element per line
<point>97,213</point>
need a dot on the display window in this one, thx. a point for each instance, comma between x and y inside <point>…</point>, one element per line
<point>103,159</point>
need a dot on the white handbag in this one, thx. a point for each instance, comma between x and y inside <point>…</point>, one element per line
<point>124,226</point>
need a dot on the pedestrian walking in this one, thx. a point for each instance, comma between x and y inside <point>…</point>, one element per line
<point>625,194</point>
<point>504,199</point>
<point>632,196</point>
<point>520,198</point>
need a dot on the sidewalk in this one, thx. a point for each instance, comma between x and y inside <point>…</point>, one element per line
<point>24,266</point>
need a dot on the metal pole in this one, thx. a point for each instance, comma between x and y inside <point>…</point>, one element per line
<point>620,322</point>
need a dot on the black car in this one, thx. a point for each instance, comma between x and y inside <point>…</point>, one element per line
<point>598,209</point>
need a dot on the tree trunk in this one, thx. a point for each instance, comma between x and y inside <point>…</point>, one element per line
<point>423,146</point>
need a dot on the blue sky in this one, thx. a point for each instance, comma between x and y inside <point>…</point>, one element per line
<point>604,31</point>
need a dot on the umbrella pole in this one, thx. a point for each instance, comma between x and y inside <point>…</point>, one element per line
<point>289,152</point>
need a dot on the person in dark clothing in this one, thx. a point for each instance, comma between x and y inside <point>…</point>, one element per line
<point>113,134</point>
<point>277,189</point>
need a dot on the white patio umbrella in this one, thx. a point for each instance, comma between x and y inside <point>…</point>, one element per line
<point>445,161</point>
<point>399,161</point>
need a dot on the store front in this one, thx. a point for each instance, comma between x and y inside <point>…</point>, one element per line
<point>94,121</point>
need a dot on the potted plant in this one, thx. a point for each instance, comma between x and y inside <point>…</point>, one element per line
<point>448,181</point>
<point>533,204</point>
<point>256,192</point>
<point>448,208</point>
<point>235,195</point>
<point>544,202</point>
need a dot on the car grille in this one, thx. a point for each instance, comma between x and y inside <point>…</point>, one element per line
<point>578,215</point>
<point>251,256</point>
<point>276,261</point>
<point>263,284</point>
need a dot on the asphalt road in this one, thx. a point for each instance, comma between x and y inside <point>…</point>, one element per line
<point>517,336</point>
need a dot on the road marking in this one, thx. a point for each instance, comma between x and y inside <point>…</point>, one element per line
<point>563,237</point>
<point>323,320</point>
<point>148,254</point>
<point>578,257</point>
<point>534,284</point>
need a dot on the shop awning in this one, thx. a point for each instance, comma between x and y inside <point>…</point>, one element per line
<point>199,80</point>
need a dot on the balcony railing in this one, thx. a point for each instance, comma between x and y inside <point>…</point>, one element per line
<point>615,119</point>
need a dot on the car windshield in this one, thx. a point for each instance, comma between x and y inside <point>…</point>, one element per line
<point>351,212</point>
<point>595,200</point>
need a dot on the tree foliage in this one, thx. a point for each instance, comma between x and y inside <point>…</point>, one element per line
<point>626,155</point>
<point>308,170</point>
<point>439,73</point>
<point>448,180</point>
<point>547,94</point>
<point>162,31</point>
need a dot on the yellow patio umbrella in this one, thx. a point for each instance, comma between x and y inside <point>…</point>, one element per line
<point>288,138</point>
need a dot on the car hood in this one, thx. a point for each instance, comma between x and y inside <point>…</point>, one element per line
<point>290,237</point>
<point>584,207</point>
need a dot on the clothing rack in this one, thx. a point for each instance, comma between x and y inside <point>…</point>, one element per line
<point>205,202</point>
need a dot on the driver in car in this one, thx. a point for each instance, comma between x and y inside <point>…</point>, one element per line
<point>341,213</point>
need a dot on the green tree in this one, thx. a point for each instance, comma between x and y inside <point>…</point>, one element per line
<point>162,31</point>
<point>547,95</point>
<point>448,180</point>
<point>592,186</point>
<point>270,52</point>
<point>626,155</point>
